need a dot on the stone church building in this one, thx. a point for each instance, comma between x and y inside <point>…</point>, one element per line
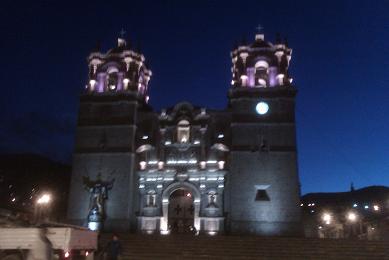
<point>188,168</point>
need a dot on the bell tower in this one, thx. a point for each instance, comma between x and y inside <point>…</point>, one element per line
<point>263,186</point>
<point>116,91</point>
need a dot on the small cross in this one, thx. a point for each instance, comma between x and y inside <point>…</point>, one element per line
<point>191,209</point>
<point>122,32</point>
<point>259,28</point>
<point>178,209</point>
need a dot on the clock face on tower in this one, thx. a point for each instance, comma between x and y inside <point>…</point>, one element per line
<point>262,108</point>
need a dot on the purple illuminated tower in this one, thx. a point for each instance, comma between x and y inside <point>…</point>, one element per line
<point>106,132</point>
<point>263,189</point>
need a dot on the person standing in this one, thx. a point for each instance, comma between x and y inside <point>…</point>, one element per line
<point>113,250</point>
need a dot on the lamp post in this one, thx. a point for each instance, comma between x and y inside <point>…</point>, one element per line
<point>351,224</point>
<point>42,207</point>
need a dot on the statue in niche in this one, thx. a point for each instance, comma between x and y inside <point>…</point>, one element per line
<point>212,200</point>
<point>151,199</point>
<point>98,190</point>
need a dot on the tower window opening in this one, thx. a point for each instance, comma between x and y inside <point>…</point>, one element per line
<point>261,72</point>
<point>262,196</point>
<point>112,81</point>
<point>183,131</point>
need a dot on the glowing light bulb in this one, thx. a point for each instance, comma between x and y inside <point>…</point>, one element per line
<point>142,165</point>
<point>244,79</point>
<point>327,218</point>
<point>44,199</point>
<point>352,216</point>
<point>221,165</point>
<point>203,164</point>
<point>262,82</point>
<point>92,82</point>
<point>160,165</point>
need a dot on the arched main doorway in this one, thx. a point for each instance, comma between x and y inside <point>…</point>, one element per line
<point>181,211</point>
<point>187,214</point>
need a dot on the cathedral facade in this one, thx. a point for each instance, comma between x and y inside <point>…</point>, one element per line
<point>187,168</point>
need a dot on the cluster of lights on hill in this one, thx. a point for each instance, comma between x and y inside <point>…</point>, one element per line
<point>351,215</point>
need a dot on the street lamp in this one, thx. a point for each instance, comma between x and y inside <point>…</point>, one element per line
<point>44,199</point>
<point>351,216</point>
<point>42,206</point>
<point>327,218</point>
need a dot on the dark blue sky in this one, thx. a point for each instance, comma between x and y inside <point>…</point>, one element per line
<point>340,65</point>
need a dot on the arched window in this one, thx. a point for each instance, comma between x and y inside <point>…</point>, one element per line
<point>261,73</point>
<point>183,131</point>
<point>261,65</point>
<point>112,78</point>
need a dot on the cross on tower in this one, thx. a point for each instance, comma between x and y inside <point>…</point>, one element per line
<point>259,28</point>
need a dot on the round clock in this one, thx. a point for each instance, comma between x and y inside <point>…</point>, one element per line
<point>262,108</point>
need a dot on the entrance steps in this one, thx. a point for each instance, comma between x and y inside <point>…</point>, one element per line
<point>175,247</point>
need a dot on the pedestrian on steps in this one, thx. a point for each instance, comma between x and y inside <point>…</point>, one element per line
<point>113,250</point>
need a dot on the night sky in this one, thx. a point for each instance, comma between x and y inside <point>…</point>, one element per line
<point>340,66</point>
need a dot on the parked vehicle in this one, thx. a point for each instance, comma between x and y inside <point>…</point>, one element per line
<point>46,241</point>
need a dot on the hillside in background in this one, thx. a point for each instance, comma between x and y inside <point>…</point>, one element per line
<point>23,177</point>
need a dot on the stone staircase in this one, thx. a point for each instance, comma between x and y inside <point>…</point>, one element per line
<point>155,247</point>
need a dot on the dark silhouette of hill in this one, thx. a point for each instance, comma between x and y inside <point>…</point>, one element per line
<point>366,194</point>
<point>23,177</point>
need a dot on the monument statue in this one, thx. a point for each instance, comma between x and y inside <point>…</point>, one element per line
<point>98,190</point>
